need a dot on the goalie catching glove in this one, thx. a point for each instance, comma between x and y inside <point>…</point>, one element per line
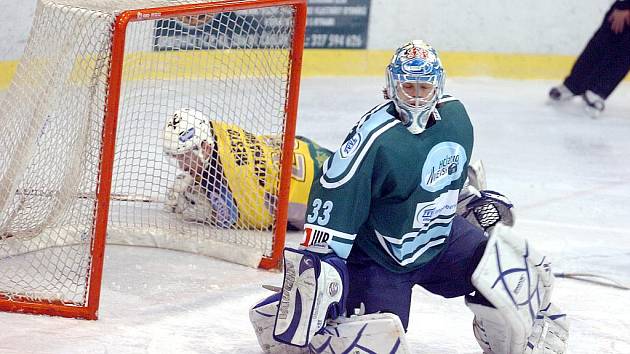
<point>486,209</point>
<point>480,206</point>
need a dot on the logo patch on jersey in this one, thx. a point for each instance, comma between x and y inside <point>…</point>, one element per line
<point>443,165</point>
<point>187,135</point>
<point>424,215</point>
<point>351,146</point>
<point>328,239</point>
<point>315,237</point>
<point>442,207</point>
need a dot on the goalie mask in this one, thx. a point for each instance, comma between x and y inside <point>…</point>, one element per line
<point>185,130</point>
<point>415,82</point>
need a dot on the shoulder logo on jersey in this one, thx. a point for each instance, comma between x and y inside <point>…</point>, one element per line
<point>443,165</point>
<point>351,146</point>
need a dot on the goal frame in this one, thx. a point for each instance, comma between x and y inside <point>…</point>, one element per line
<point>108,139</point>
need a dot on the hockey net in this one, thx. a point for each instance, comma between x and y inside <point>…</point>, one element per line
<point>81,155</point>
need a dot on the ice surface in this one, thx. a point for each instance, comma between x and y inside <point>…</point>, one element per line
<point>568,175</point>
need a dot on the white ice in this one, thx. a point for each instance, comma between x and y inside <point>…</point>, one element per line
<point>569,176</point>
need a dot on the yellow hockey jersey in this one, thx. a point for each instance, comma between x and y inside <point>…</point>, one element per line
<point>249,166</point>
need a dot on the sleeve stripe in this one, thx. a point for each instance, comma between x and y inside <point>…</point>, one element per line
<point>331,231</point>
<point>357,162</point>
<point>339,242</point>
<point>368,114</point>
<point>342,240</point>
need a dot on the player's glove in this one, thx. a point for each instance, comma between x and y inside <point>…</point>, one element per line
<point>486,208</point>
<point>176,201</point>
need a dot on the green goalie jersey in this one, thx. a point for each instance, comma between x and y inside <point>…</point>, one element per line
<point>392,193</point>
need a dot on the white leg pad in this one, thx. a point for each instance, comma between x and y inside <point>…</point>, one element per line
<point>550,332</point>
<point>374,333</point>
<point>263,318</point>
<point>549,335</point>
<point>518,281</point>
<point>490,329</point>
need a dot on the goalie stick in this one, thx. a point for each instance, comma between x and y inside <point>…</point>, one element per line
<point>275,289</point>
<point>594,279</point>
<point>113,196</point>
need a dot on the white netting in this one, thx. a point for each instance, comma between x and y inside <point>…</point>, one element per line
<point>233,67</point>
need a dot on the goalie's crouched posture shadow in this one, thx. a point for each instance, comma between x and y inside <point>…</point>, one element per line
<point>399,205</point>
<point>228,177</point>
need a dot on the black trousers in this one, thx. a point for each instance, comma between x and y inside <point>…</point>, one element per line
<point>604,62</point>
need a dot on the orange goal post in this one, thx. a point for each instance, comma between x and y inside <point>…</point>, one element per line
<point>81,153</point>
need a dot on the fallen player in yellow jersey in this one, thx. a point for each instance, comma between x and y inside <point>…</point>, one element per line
<point>229,177</point>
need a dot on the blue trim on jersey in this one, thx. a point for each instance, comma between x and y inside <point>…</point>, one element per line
<point>222,202</point>
<point>341,247</point>
<point>224,206</point>
<point>340,167</point>
<point>412,248</point>
<point>409,248</point>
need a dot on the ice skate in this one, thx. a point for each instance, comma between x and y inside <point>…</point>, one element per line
<point>560,94</point>
<point>593,104</point>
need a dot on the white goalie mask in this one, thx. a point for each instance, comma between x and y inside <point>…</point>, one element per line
<point>184,131</point>
<point>415,82</point>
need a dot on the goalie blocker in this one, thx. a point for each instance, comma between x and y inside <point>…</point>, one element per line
<point>314,289</point>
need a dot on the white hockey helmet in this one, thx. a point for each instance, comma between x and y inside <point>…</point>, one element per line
<point>415,64</point>
<point>185,130</point>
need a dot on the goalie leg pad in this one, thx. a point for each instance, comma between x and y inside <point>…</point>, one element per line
<point>263,318</point>
<point>374,333</point>
<point>314,289</point>
<point>549,334</point>
<point>518,282</point>
<point>489,328</point>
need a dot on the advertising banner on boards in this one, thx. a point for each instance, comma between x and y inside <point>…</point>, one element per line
<point>330,24</point>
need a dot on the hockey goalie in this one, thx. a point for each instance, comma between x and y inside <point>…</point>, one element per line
<point>392,210</point>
